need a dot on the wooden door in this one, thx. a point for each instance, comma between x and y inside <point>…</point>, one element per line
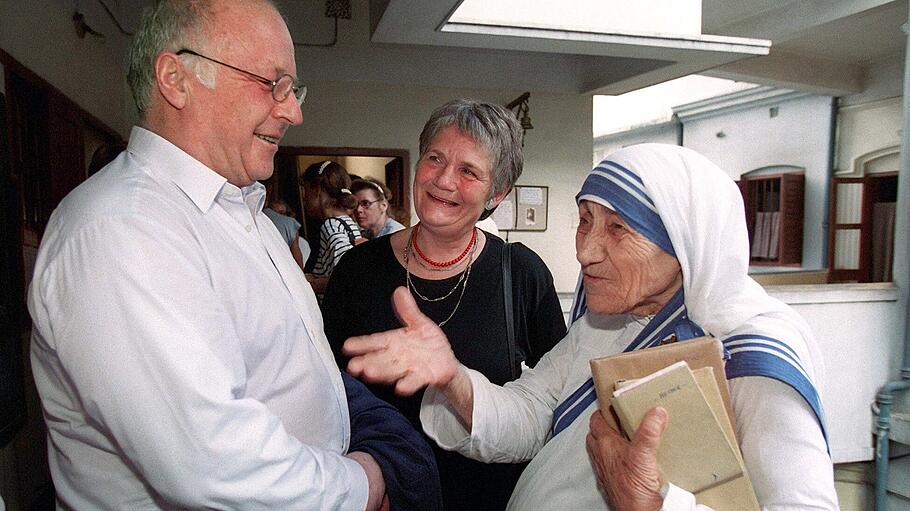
<point>849,239</point>
<point>791,219</point>
<point>396,180</point>
<point>65,152</point>
<point>12,392</point>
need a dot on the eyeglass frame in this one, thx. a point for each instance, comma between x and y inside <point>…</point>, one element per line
<point>296,88</point>
<point>365,204</point>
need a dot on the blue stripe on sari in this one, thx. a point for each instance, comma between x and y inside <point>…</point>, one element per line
<point>671,320</point>
<point>763,341</point>
<point>580,391</point>
<point>746,361</point>
<point>632,175</point>
<point>619,178</point>
<point>581,303</point>
<point>624,190</point>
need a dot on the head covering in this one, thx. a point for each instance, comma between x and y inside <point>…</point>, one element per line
<point>691,209</point>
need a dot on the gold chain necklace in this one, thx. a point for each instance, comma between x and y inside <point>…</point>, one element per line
<point>462,281</point>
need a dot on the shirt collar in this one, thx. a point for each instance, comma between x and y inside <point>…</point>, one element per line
<point>200,183</point>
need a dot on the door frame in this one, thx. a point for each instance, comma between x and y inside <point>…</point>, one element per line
<point>400,187</point>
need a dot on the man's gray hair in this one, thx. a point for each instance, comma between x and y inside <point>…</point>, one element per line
<point>170,25</point>
<point>490,125</point>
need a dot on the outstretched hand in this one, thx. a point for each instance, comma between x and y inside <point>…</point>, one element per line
<point>411,357</point>
<point>628,470</point>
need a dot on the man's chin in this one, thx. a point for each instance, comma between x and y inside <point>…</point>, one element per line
<point>262,175</point>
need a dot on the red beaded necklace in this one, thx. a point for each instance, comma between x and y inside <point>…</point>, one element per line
<point>444,264</point>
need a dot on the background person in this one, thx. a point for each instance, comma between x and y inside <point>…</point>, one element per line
<point>372,211</point>
<point>176,347</point>
<point>470,155</point>
<point>328,197</point>
<point>664,253</point>
<point>281,215</point>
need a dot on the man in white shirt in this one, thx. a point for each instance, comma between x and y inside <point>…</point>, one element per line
<point>177,349</point>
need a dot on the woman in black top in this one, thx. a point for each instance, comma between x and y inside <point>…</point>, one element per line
<point>470,156</point>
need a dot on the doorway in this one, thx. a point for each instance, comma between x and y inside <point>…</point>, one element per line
<point>862,241</point>
<point>390,166</point>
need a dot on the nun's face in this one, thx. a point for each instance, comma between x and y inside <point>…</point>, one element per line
<point>623,271</point>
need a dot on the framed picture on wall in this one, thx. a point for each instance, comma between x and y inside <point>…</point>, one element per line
<point>523,209</point>
<point>504,216</point>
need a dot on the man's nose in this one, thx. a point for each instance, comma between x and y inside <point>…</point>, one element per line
<point>289,110</point>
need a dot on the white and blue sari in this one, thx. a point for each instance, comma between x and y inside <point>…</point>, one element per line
<point>691,209</point>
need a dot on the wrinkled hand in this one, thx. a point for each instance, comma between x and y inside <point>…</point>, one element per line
<point>411,357</point>
<point>628,470</point>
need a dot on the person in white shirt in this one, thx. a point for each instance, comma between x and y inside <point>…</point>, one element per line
<point>664,256</point>
<point>178,351</point>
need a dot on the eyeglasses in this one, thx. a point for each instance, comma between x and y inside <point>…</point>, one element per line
<point>365,204</point>
<point>281,87</point>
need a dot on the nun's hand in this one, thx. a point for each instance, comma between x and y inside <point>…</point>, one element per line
<point>627,470</point>
<point>411,357</point>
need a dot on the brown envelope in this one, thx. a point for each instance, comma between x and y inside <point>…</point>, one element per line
<point>734,495</point>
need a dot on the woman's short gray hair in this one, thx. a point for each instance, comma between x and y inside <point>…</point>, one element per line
<point>170,25</point>
<point>490,125</point>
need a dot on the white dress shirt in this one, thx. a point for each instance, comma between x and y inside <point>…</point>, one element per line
<point>782,445</point>
<point>178,351</point>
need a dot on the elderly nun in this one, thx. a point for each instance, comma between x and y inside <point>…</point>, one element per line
<point>663,249</point>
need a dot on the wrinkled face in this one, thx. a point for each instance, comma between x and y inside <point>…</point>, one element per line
<point>623,271</point>
<point>238,123</point>
<point>370,210</point>
<point>453,180</point>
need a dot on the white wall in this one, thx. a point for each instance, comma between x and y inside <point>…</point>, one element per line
<point>663,133</point>
<point>864,128</point>
<point>855,326</point>
<point>799,136</point>
<point>557,151</point>
<point>88,71</point>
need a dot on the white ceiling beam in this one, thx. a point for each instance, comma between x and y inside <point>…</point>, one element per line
<point>798,72</point>
<point>788,20</point>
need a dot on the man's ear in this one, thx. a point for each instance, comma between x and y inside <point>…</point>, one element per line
<point>172,79</point>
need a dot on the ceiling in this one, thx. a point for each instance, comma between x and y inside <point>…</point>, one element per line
<point>822,46</point>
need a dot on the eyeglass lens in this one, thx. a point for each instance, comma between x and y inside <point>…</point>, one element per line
<point>284,86</point>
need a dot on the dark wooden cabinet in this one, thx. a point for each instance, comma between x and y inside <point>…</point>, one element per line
<point>774,215</point>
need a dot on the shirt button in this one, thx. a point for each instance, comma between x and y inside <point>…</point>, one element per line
<point>249,228</point>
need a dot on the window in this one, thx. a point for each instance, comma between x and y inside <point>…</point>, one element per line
<point>773,199</point>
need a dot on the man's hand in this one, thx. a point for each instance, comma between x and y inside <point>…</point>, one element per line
<point>411,357</point>
<point>628,470</point>
<point>377,499</point>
